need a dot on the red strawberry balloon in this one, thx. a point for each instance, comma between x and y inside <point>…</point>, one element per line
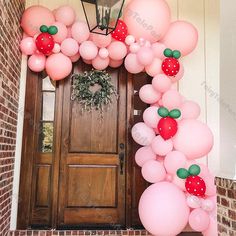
<point>194,184</point>
<point>167,125</point>
<point>170,65</point>
<point>121,31</point>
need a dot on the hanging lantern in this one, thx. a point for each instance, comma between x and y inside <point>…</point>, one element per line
<point>102,15</point>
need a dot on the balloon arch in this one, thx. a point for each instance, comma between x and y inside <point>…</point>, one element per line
<point>182,191</point>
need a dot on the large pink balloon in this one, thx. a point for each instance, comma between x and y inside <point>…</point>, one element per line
<point>88,50</point>
<point>62,33</point>
<point>190,110</point>
<point>154,68</point>
<point>153,171</point>
<point>182,36</point>
<point>58,66</point>
<point>69,47</point>
<point>161,83</point>
<point>149,21</point>
<point>151,117</point>
<point>142,134</point>
<point>115,64</point>
<point>100,40</point>
<point>145,56</point>
<point>158,50</point>
<point>193,138</point>
<point>212,228</point>
<point>37,62</point>
<point>117,50</point>
<point>163,209</point>
<point>199,220</point>
<point>34,17</point>
<point>143,155</point>
<point>148,94</point>
<point>162,147</point>
<point>100,63</point>
<point>27,46</point>
<point>80,31</point>
<point>132,64</point>
<point>65,15</point>
<point>172,99</point>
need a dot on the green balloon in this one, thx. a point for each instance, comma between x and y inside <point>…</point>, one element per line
<point>43,29</point>
<point>52,30</point>
<point>176,54</point>
<point>194,170</point>
<point>163,112</point>
<point>168,52</point>
<point>182,173</point>
<point>175,113</point>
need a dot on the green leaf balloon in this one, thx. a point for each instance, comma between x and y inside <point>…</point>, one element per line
<point>175,113</point>
<point>168,52</point>
<point>43,28</point>
<point>176,54</point>
<point>163,112</point>
<point>182,173</point>
<point>194,170</point>
<point>52,30</point>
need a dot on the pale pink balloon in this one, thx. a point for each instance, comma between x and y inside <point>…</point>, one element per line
<point>80,31</point>
<point>171,99</point>
<point>151,117</point>
<point>57,48</point>
<point>115,64</point>
<point>129,39</point>
<point>149,21</point>
<point>75,58</point>
<point>194,202</point>
<point>210,185</point>
<point>142,134</point>
<point>58,66</point>
<point>199,220</point>
<point>69,47</point>
<point>158,50</point>
<point>117,50</point>
<point>145,56</point>
<point>193,138</point>
<point>103,53</point>
<point>154,68</point>
<point>161,83</point>
<point>89,62</point>
<point>190,110</point>
<point>37,62</point>
<point>163,209</point>
<point>180,183</point>
<point>100,40</point>
<point>180,75</point>
<point>35,16</point>
<point>27,46</point>
<point>148,94</point>
<point>153,171</point>
<point>208,205</point>
<point>65,15</point>
<point>134,47</point>
<point>62,33</point>
<point>162,147</point>
<point>88,50</point>
<point>169,178</point>
<point>132,64</point>
<point>212,228</point>
<point>143,155</point>
<point>100,63</point>
<point>173,161</point>
<point>182,36</point>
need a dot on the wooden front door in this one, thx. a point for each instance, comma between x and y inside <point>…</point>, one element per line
<point>78,170</point>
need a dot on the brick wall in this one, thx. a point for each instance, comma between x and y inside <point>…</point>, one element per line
<point>10,65</point>
<point>226,202</point>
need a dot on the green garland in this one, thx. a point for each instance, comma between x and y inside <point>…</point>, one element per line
<point>81,84</point>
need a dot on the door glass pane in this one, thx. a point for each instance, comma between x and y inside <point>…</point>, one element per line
<point>46,137</point>
<point>48,106</point>
<point>47,85</point>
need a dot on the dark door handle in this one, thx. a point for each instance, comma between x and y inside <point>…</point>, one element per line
<point>122,160</point>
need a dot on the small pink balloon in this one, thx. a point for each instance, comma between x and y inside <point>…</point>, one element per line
<point>129,39</point>
<point>80,31</point>
<point>169,178</point>
<point>154,68</point>
<point>208,205</point>
<point>143,155</point>
<point>117,50</point>
<point>115,64</point>
<point>151,117</point>
<point>65,15</point>
<point>100,63</point>
<point>62,33</point>
<point>161,83</point>
<point>57,48</point>
<point>173,161</point>
<point>134,47</point>
<point>103,53</point>
<point>69,47</point>
<point>190,110</point>
<point>75,58</point>
<point>37,62</point>
<point>153,171</point>
<point>181,35</point>
<point>100,40</point>
<point>199,220</point>
<point>158,50</point>
<point>27,46</point>
<point>69,33</point>
<point>145,56</point>
<point>58,66</point>
<point>194,202</point>
<point>148,94</point>
<point>132,64</point>
<point>88,50</point>
<point>210,185</point>
<point>171,99</point>
<point>212,228</point>
<point>142,134</point>
<point>179,76</point>
<point>162,147</point>
<point>180,183</point>
<point>89,62</point>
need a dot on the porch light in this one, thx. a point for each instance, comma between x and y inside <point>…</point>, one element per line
<point>102,15</point>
